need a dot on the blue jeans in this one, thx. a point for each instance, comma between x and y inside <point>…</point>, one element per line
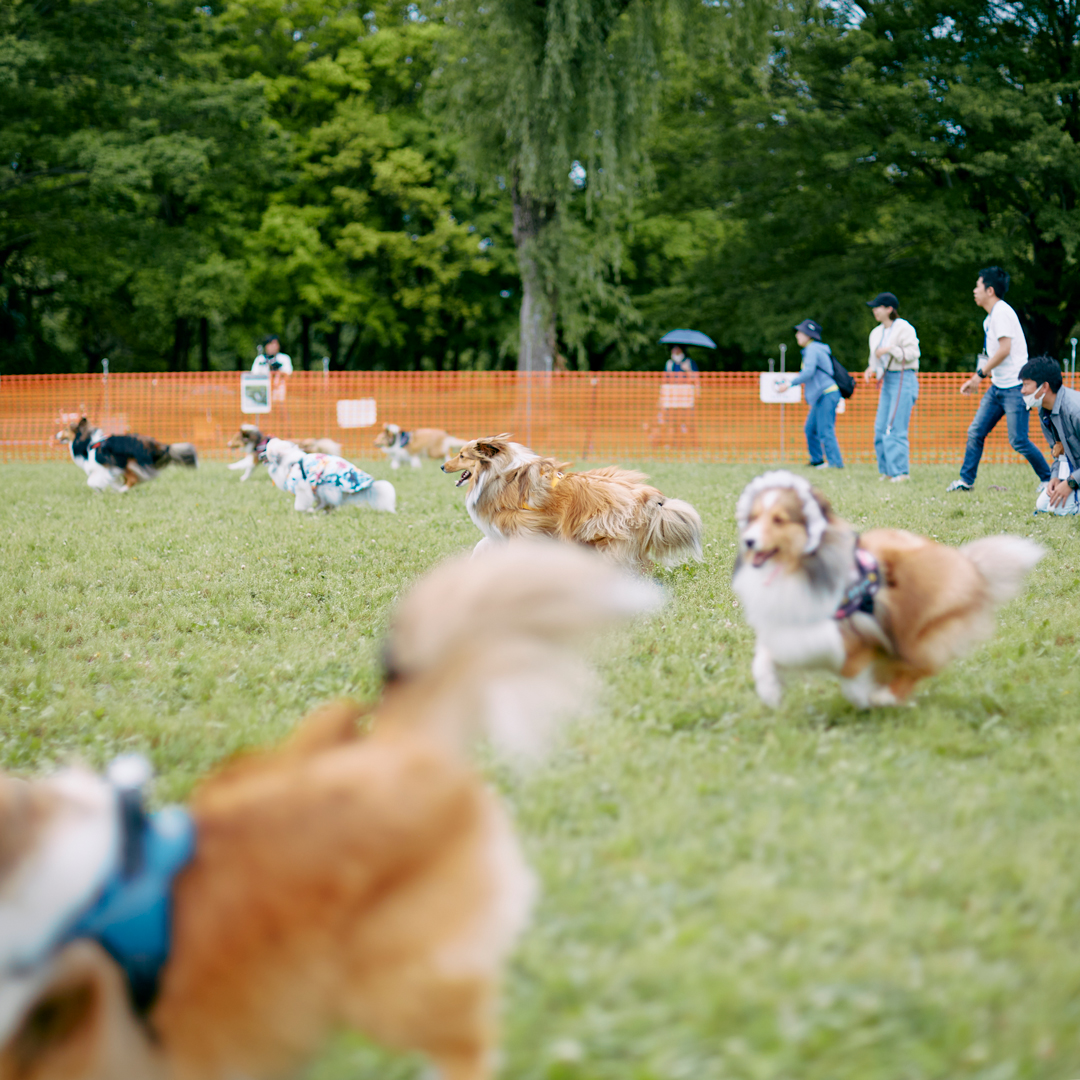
<point>821,431</point>
<point>899,392</point>
<point>995,404</point>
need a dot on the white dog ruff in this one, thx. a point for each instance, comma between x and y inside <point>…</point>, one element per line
<point>781,478</point>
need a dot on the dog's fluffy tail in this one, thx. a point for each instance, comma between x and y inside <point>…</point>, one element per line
<point>492,645</point>
<point>674,533</point>
<point>1004,561</point>
<point>183,453</point>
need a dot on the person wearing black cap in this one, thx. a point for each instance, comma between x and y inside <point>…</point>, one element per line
<point>894,359</point>
<point>822,395</point>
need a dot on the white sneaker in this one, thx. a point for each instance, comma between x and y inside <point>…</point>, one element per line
<point>958,485</point>
<point>823,465</point>
<point>883,476</point>
<point>901,478</point>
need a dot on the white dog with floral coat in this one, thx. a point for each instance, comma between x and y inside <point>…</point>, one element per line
<point>325,481</point>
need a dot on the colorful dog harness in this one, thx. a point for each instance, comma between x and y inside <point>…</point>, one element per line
<point>132,917</point>
<point>113,887</point>
<point>320,469</point>
<point>859,595</point>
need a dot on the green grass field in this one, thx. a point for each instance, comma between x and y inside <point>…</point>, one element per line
<point>727,892</point>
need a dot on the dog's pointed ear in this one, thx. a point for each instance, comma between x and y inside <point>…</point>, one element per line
<point>826,507</point>
<point>491,446</point>
<point>79,1023</point>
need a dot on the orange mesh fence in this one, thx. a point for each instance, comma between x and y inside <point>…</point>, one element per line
<point>606,416</point>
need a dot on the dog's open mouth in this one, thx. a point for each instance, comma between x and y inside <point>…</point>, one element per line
<point>464,476</point>
<point>760,558</point>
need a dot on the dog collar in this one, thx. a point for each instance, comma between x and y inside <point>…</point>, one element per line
<point>859,595</point>
<point>404,437</point>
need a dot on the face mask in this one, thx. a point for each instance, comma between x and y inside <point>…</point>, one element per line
<point>1031,400</point>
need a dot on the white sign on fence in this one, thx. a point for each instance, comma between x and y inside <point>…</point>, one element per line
<point>771,396</point>
<point>358,413</point>
<point>255,392</point>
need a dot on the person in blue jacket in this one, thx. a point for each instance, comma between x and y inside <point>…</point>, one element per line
<point>822,395</point>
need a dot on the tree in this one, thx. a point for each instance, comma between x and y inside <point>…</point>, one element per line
<point>554,96</point>
<point>898,145</point>
<point>132,170</point>
<point>374,248</point>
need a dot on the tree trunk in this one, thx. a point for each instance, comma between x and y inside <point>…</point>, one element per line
<point>333,345</point>
<point>204,343</point>
<point>531,217</point>
<point>305,342</point>
<point>181,346</point>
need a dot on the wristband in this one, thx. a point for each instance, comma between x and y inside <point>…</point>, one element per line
<point>1072,483</point>
<point>979,372</point>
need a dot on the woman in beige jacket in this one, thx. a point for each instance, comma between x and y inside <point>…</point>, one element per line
<point>894,359</point>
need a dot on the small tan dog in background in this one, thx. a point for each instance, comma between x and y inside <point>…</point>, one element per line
<point>411,446</point>
<point>514,492</point>
<point>252,441</point>
<point>883,610</point>
<point>345,880</point>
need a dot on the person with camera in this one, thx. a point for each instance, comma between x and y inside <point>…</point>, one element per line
<point>271,358</point>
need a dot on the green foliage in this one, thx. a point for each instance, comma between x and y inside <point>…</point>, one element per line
<point>727,891</point>
<point>385,187</point>
<point>133,169</point>
<point>898,146</point>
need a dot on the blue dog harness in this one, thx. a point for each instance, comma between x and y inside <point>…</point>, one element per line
<point>131,918</point>
<point>859,595</point>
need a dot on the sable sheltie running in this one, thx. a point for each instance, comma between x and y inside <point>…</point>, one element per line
<point>882,610</point>
<point>514,492</point>
<point>253,442</point>
<point>345,880</point>
<point>402,446</point>
<point>121,461</point>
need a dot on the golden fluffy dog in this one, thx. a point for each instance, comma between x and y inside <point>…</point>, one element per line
<point>411,446</point>
<point>883,610</point>
<point>347,879</point>
<point>514,492</point>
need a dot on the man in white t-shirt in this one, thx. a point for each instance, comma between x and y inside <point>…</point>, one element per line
<point>1006,353</point>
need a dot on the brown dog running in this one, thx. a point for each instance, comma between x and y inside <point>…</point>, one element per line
<point>514,492</point>
<point>402,446</point>
<point>370,881</point>
<point>883,610</point>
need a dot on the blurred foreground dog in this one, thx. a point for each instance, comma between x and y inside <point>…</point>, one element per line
<point>882,610</point>
<point>253,442</point>
<point>514,492</point>
<point>369,881</point>
<point>324,481</point>
<point>410,446</point>
<point>121,461</point>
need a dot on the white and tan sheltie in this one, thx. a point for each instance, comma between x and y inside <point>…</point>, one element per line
<point>253,442</point>
<point>514,492</point>
<point>882,611</point>
<point>356,877</point>
<point>325,481</point>
<point>402,446</point>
